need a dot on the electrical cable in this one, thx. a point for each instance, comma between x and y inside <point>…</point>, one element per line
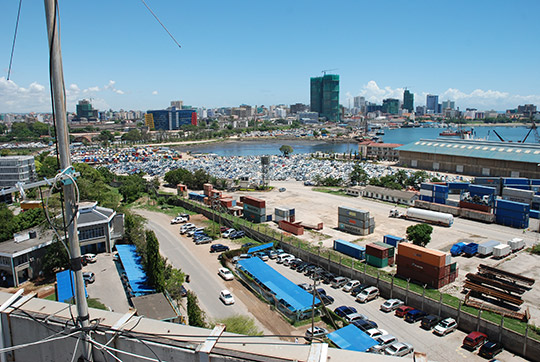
<point>159,21</point>
<point>75,349</point>
<point>14,38</point>
<point>106,348</point>
<point>45,340</point>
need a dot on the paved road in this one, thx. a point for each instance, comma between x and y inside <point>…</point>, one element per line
<point>447,348</point>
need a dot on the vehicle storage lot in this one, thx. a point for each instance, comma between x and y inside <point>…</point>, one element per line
<point>313,207</point>
<point>447,348</point>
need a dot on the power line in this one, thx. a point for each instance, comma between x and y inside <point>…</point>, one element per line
<point>14,38</point>
<point>159,21</point>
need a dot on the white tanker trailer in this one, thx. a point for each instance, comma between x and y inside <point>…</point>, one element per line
<point>432,217</point>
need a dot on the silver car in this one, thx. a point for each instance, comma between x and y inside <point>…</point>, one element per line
<point>445,326</point>
<point>391,304</point>
<point>384,341</point>
<point>399,349</point>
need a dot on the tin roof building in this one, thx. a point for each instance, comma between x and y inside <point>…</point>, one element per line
<point>473,157</point>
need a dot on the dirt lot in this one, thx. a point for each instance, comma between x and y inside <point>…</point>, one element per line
<point>314,207</point>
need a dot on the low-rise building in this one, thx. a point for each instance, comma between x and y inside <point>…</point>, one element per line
<point>99,228</point>
<point>379,151</point>
<point>389,195</point>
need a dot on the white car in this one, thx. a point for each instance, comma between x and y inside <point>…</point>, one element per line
<point>227,233</point>
<point>90,258</point>
<point>391,304</point>
<point>383,342</point>
<point>225,274</point>
<point>398,349</point>
<point>367,294</point>
<point>350,285</point>
<point>355,316</point>
<point>178,220</point>
<point>317,332</point>
<point>445,326</point>
<point>226,297</point>
<point>281,257</point>
<point>376,332</point>
<point>186,227</point>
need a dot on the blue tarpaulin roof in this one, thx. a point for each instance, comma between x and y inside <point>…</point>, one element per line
<point>297,298</point>
<point>64,286</point>
<point>134,270</point>
<point>260,247</point>
<point>352,339</point>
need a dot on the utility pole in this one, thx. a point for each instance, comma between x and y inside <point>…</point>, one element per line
<point>62,137</point>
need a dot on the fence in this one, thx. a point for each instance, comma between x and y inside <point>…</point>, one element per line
<point>515,342</point>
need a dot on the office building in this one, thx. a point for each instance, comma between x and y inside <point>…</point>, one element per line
<point>15,169</point>
<point>325,96</point>
<point>170,119</point>
<point>390,106</point>
<point>527,110</point>
<point>177,104</point>
<point>408,101</point>
<point>432,103</point>
<point>448,105</point>
<point>297,108</point>
<point>85,112</point>
<point>359,102</point>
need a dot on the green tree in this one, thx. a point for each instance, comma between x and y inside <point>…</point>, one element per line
<point>48,168</point>
<point>241,324</point>
<point>154,262</point>
<point>132,136</point>
<point>195,314</point>
<point>419,234</point>
<point>106,136</point>
<point>358,174</point>
<point>173,282</point>
<point>55,259</point>
<point>316,133</point>
<point>6,232</point>
<point>178,176</point>
<point>286,150</point>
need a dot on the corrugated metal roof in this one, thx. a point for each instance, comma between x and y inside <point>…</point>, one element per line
<point>519,152</point>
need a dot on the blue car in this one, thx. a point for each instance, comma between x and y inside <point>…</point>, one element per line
<point>364,324</point>
<point>414,315</point>
<point>344,310</point>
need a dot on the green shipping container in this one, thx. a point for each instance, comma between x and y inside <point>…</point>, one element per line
<point>390,248</point>
<point>453,267</point>
<point>377,262</point>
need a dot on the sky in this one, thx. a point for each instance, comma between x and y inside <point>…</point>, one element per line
<point>482,54</point>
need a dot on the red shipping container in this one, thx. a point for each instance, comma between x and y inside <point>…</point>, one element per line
<point>295,229</point>
<point>258,203</point>
<point>420,267</point>
<point>376,251</point>
<point>391,260</point>
<point>473,206</point>
<point>431,282</point>
<point>428,256</point>
<point>239,203</point>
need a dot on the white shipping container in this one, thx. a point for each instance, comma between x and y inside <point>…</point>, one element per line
<point>516,244</point>
<point>448,259</point>
<point>501,250</point>
<point>486,248</point>
<point>525,194</point>
<point>426,192</point>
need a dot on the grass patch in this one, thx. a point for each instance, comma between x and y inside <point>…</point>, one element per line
<point>170,210</point>
<point>95,303</point>
<point>304,322</point>
<point>331,190</point>
<point>51,297</point>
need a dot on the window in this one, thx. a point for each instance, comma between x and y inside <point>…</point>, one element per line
<point>414,163</point>
<point>92,233</point>
<point>485,171</point>
<point>514,174</point>
<point>435,165</point>
<point>459,168</point>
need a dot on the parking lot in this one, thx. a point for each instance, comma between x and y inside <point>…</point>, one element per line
<point>447,348</point>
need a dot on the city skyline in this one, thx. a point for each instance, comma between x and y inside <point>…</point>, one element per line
<point>120,58</point>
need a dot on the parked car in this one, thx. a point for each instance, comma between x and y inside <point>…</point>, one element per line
<point>225,273</point>
<point>288,261</point>
<point>273,254</point>
<point>401,311</point>
<point>316,332</point>
<point>339,282</point>
<point>367,294</point>
<point>429,321</point>
<point>375,332</point>
<point>364,324</point>
<point>474,340</point>
<point>354,317</point>
<point>350,285</point>
<point>226,297</point>
<point>199,235</point>
<point>446,326</point>
<point>89,277</point>
<point>326,277</point>
<point>281,257</point>
<point>216,248</point>
<point>344,311</point>
<point>187,227</point>
<point>178,220</point>
<point>326,299</point>
<point>248,245</point>
<point>296,263</point>
<point>90,258</point>
<point>222,229</point>
<point>310,269</point>
<point>414,315</point>
<point>262,255</point>
<point>282,189</point>
<point>302,266</point>
<point>399,349</point>
<point>204,240</point>
<point>391,304</point>
<point>307,287</point>
<point>227,233</point>
<point>358,289</point>
<point>383,342</point>
<point>237,234</point>
<point>195,231</point>
<point>490,349</point>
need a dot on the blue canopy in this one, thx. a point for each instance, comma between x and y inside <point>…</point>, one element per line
<point>290,294</point>
<point>352,339</point>
<point>260,247</point>
<point>65,286</point>
<point>134,270</point>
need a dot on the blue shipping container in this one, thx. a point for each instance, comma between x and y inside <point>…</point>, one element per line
<point>535,214</point>
<point>470,249</point>
<point>439,200</point>
<point>482,190</point>
<point>440,195</point>
<point>426,198</point>
<point>512,206</point>
<point>350,249</point>
<point>458,185</point>
<point>426,186</point>
<point>507,221</point>
<point>535,182</point>
<point>515,181</point>
<point>392,240</point>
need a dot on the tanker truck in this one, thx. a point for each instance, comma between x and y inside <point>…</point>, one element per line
<point>427,216</point>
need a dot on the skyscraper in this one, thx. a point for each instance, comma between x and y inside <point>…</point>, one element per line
<point>448,105</point>
<point>325,96</point>
<point>390,106</point>
<point>359,102</point>
<point>408,101</point>
<point>85,111</point>
<point>432,103</point>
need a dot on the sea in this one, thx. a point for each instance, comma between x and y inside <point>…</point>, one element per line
<point>400,135</point>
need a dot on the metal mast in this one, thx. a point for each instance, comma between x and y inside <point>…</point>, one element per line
<point>62,137</point>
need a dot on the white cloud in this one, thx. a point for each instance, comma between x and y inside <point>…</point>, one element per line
<point>155,92</point>
<point>111,87</point>
<point>478,98</point>
<point>14,98</point>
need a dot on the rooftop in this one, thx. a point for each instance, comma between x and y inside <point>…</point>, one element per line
<point>155,306</point>
<point>519,152</point>
<point>389,192</point>
<point>90,213</point>
<point>12,248</point>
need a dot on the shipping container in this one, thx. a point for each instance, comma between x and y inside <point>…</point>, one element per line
<point>470,249</point>
<point>413,275</point>
<point>482,190</point>
<point>388,247</point>
<point>353,213</point>
<point>377,251</point>
<point>256,218</point>
<point>295,229</point>
<point>516,244</point>
<point>535,214</point>
<point>474,206</point>
<point>426,186</point>
<point>515,181</point>
<point>425,255</point>
<point>426,198</point>
<point>512,206</point>
<point>534,182</point>
<point>354,222</point>
<point>354,230</point>
<point>477,215</point>
<point>254,210</point>
<point>486,248</point>
<point>458,186</point>
<point>431,271</point>
<point>501,250</point>
<point>375,261</point>
<point>426,192</point>
<point>253,201</point>
<point>516,192</point>
<point>350,249</point>
<point>439,200</point>
<point>392,240</point>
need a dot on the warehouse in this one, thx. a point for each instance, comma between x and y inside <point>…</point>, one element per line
<point>473,157</point>
<point>394,196</point>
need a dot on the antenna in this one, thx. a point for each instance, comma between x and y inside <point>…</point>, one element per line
<point>328,70</point>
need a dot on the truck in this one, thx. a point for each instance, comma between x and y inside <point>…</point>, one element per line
<point>457,249</point>
<point>470,249</point>
<point>432,217</point>
<point>486,248</point>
